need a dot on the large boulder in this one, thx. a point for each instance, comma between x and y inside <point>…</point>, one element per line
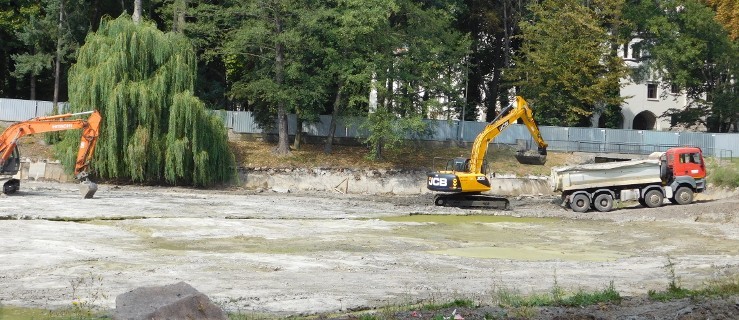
<point>174,301</point>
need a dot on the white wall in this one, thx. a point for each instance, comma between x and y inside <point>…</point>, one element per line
<point>637,102</point>
<point>635,94</point>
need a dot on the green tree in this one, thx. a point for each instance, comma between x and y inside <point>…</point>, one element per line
<point>421,66</point>
<point>36,59</point>
<point>351,33</point>
<point>568,67</point>
<point>154,130</point>
<point>687,47</point>
<point>493,27</point>
<point>203,22</point>
<point>263,51</point>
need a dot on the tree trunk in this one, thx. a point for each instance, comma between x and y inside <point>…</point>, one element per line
<point>178,23</point>
<point>136,11</point>
<point>57,63</point>
<point>298,132</point>
<point>328,147</point>
<point>378,150</point>
<point>33,86</point>
<point>283,146</point>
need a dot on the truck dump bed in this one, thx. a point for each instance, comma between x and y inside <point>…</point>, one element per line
<point>601,175</point>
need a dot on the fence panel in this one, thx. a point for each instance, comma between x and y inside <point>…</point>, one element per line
<point>513,133</point>
<point>698,139</point>
<point>472,129</point>
<point>441,130</point>
<point>557,138</point>
<point>654,141</point>
<point>17,110</point>
<point>244,123</point>
<point>623,141</point>
<point>726,145</point>
<point>21,110</point>
<point>588,139</point>
<point>350,127</point>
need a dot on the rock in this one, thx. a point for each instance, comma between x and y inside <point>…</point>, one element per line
<point>174,301</point>
<point>280,190</point>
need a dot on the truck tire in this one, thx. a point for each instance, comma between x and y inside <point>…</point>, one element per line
<point>653,198</point>
<point>580,203</point>
<point>683,195</point>
<point>603,202</point>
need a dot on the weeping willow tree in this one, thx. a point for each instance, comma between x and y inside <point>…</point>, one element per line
<point>154,129</point>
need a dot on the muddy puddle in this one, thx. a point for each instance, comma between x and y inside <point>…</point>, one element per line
<point>541,239</point>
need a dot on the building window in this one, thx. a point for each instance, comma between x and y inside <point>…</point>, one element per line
<point>626,51</point>
<point>651,91</point>
<point>674,88</point>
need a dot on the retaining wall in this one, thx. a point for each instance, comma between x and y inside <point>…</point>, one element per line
<point>326,180</point>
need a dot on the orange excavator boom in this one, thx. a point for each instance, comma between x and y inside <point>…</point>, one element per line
<point>9,158</point>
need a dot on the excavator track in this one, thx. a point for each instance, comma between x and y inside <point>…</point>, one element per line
<point>466,200</point>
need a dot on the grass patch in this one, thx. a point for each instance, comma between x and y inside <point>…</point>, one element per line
<point>558,297</point>
<point>724,173</point>
<point>716,288</point>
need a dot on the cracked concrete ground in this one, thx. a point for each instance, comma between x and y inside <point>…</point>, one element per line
<point>306,253</point>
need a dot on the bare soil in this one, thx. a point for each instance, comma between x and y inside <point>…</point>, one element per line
<point>329,254</point>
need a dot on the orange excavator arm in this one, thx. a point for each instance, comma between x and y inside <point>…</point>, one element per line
<point>90,132</point>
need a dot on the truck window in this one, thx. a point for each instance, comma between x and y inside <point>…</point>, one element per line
<point>683,158</point>
<point>695,158</point>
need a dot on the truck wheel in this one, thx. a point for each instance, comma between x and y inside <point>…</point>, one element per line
<point>603,202</point>
<point>653,198</point>
<point>580,203</point>
<point>683,195</point>
<point>642,202</point>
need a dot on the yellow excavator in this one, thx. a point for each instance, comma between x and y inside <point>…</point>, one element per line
<point>464,180</point>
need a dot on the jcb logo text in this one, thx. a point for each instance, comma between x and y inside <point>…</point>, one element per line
<point>440,182</point>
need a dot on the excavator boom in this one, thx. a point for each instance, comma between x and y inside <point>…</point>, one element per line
<point>465,179</point>
<point>10,158</point>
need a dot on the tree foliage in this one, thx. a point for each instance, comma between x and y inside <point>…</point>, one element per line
<point>687,47</point>
<point>494,29</point>
<point>422,64</point>
<point>727,13</point>
<point>154,130</point>
<point>568,67</point>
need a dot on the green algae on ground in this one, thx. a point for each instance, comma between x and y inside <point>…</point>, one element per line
<point>462,219</point>
<point>530,254</point>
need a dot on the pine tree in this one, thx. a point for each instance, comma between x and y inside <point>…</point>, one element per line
<point>154,129</point>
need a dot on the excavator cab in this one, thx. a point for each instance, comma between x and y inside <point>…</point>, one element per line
<point>13,164</point>
<point>458,165</point>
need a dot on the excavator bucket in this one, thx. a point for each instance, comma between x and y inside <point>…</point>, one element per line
<point>531,157</point>
<point>88,189</point>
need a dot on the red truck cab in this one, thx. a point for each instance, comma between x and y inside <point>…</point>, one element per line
<point>686,161</point>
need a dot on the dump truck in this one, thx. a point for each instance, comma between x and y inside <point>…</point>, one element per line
<point>676,174</point>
